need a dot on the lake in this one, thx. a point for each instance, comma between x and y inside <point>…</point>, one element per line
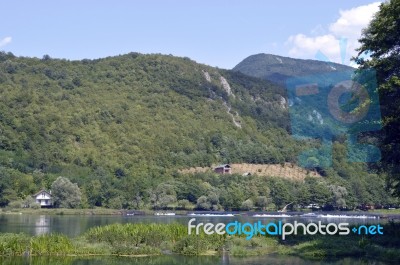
<point>180,260</point>
<point>74,225</point>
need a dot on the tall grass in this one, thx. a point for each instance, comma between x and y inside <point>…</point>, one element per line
<point>153,239</point>
<point>23,245</point>
<point>136,234</point>
<point>51,244</point>
<point>14,244</point>
<point>156,239</point>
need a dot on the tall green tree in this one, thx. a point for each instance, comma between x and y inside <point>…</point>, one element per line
<point>65,193</point>
<point>381,42</point>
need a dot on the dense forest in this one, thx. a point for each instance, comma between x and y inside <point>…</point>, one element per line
<point>122,127</point>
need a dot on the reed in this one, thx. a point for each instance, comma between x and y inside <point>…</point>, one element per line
<point>13,244</point>
<point>153,239</point>
<point>52,245</point>
<point>23,245</point>
<point>157,239</point>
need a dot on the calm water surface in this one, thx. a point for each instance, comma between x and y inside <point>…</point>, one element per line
<point>181,260</point>
<point>77,225</point>
<point>74,225</point>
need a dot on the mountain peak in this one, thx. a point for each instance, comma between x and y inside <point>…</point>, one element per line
<point>277,68</point>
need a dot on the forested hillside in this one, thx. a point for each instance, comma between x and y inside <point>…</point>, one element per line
<point>122,127</point>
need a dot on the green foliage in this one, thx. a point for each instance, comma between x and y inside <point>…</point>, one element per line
<point>133,239</point>
<point>262,202</point>
<point>153,239</point>
<point>21,244</point>
<point>65,193</point>
<point>247,205</point>
<point>13,244</point>
<point>381,41</point>
<point>52,244</point>
<point>122,127</point>
<point>122,124</point>
<point>184,204</point>
<point>163,196</point>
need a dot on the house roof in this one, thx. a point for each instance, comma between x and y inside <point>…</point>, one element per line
<point>223,165</point>
<point>42,190</point>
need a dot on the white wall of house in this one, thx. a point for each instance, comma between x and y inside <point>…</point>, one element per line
<point>44,199</point>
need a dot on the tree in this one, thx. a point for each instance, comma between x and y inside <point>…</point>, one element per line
<point>280,192</point>
<point>247,205</point>
<point>232,197</point>
<point>209,202</point>
<point>381,41</point>
<point>115,203</point>
<point>137,201</point>
<point>339,196</point>
<point>163,196</point>
<point>262,202</point>
<point>46,57</point>
<point>28,202</point>
<point>184,204</point>
<point>65,193</point>
<point>94,189</point>
<point>319,191</point>
<point>203,203</point>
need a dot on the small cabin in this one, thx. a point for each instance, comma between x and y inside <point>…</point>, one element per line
<point>223,169</point>
<point>43,198</point>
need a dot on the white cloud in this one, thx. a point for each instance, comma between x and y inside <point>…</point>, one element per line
<point>349,26</point>
<point>5,41</point>
<point>352,21</point>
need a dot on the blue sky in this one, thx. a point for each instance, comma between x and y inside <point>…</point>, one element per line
<point>218,33</point>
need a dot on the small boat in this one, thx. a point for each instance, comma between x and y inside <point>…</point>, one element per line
<point>211,214</point>
<point>164,214</point>
<point>343,216</point>
<point>272,215</point>
<point>309,215</point>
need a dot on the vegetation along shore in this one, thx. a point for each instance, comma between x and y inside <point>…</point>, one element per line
<point>160,239</point>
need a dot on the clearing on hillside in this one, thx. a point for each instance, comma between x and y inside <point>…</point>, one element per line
<point>287,170</point>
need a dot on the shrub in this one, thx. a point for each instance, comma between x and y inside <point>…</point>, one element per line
<point>15,204</point>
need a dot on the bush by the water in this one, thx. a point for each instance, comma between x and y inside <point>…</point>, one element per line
<point>156,239</point>
<point>22,244</point>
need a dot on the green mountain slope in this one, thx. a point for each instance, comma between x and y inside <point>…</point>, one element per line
<point>136,113</point>
<point>120,126</point>
<point>136,110</point>
<point>277,68</point>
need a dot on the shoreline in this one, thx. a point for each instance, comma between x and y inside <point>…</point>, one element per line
<point>381,214</point>
<point>144,240</point>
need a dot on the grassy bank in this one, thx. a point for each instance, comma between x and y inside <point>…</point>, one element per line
<point>106,211</point>
<point>386,211</point>
<point>116,239</point>
<point>62,211</point>
<point>65,211</point>
<point>159,239</point>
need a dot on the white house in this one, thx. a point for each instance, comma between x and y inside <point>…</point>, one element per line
<point>43,198</point>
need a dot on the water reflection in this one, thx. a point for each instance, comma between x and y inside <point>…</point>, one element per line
<point>42,225</point>
<point>225,258</point>
<point>180,260</point>
<point>76,225</point>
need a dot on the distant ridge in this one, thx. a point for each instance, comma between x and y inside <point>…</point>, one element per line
<point>278,68</point>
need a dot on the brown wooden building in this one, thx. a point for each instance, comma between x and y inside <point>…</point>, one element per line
<point>223,169</point>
